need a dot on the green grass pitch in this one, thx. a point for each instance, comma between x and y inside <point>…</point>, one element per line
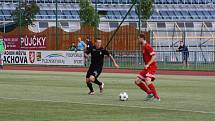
<point>62,96</point>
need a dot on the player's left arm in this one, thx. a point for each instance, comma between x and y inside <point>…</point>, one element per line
<point>114,61</point>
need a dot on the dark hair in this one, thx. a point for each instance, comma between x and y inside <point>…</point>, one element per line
<point>142,35</point>
<point>98,38</point>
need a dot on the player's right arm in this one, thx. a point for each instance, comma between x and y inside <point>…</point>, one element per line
<point>87,52</point>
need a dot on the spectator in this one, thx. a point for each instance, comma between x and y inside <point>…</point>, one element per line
<point>2,49</point>
<point>73,47</point>
<point>185,53</point>
<point>89,43</point>
<point>81,44</point>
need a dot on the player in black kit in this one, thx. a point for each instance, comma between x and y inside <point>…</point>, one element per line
<point>95,69</point>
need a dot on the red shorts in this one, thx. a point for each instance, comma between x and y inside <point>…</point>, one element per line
<point>150,73</point>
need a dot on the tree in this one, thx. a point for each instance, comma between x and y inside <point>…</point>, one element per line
<point>88,15</point>
<point>144,9</point>
<point>25,14</point>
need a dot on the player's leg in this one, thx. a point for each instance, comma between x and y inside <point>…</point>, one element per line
<point>88,82</point>
<point>149,83</point>
<point>94,77</point>
<point>90,86</point>
<point>141,85</point>
<point>96,81</point>
<point>139,82</point>
<point>186,61</point>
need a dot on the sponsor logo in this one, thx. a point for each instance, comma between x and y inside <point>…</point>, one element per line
<point>31,56</point>
<point>77,55</point>
<point>55,58</point>
<point>39,56</point>
<point>15,59</point>
<point>55,55</point>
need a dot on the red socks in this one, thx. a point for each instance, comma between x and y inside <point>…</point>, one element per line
<point>144,88</point>
<point>153,91</point>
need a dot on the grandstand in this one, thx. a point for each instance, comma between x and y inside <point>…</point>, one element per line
<point>165,11</point>
<point>171,21</point>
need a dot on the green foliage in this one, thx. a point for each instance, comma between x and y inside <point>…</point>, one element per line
<point>88,15</point>
<point>145,7</point>
<point>25,14</point>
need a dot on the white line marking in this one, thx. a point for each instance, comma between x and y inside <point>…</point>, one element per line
<point>156,108</point>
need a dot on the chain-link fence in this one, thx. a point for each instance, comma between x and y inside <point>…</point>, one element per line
<point>171,60</point>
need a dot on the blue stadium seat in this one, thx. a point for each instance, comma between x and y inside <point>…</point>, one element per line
<point>115,1</point>
<point>1,13</point>
<point>107,1</point>
<point>6,12</point>
<point>43,12</point>
<point>194,14</point>
<point>117,14</point>
<point>66,13</point>
<point>1,18</point>
<point>50,12</point>
<point>100,1</point>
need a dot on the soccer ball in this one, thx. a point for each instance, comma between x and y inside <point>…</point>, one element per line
<point>123,96</point>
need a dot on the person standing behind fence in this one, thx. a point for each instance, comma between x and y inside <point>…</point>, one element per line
<point>89,46</point>
<point>73,47</point>
<point>185,53</point>
<point>89,43</point>
<point>2,49</point>
<point>81,44</point>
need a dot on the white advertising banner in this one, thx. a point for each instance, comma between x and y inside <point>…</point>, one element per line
<point>44,57</point>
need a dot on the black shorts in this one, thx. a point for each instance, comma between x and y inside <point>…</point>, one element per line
<point>94,71</point>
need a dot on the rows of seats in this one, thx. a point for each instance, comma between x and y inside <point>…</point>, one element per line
<point>162,11</point>
<point>184,1</point>
<point>120,1</point>
<point>119,14</point>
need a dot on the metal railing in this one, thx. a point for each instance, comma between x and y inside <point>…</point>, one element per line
<point>170,60</point>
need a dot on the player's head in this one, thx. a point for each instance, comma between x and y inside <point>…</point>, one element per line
<point>98,43</point>
<point>181,43</point>
<point>142,38</point>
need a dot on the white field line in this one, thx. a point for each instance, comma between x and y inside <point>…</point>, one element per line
<point>156,108</point>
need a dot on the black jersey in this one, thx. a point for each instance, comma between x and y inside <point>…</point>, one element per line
<point>89,44</point>
<point>97,55</point>
<point>184,50</point>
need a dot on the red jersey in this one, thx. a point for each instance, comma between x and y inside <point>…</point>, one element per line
<point>148,52</point>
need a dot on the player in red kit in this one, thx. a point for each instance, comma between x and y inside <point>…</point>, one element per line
<point>147,75</point>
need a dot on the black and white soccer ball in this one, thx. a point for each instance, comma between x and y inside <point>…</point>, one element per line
<point>123,96</point>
